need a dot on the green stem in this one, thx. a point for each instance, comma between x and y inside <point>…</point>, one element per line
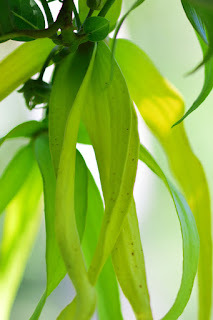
<point>35,34</point>
<point>88,16</point>
<point>47,12</point>
<point>47,62</point>
<point>77,18</point>
<point>106,8</point>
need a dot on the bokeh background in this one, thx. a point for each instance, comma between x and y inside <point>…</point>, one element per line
<point>161,29</point>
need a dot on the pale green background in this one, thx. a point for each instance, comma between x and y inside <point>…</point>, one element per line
<point>162,30</point>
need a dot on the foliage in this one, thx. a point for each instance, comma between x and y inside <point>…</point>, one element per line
<point>89,99</point>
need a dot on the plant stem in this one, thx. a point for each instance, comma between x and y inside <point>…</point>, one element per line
<point>106,8</point>
<point>47,62</point>
<point>77,18</point>
<point>47,12</point>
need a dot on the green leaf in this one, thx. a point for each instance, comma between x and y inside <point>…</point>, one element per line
<point>66,229</point>
<point>6,23</point>
<point>204,9</point>
<point>26,14</point>
<point>189,235</point>
<point>25,130</point>
<point>22,64</point>
<point>195,20</point>
<point>15,175</point>
<point>202,37</point>
<point>54,264</point>
<point>20,228</point>
<point>160,106</point>
<point>97,28</point>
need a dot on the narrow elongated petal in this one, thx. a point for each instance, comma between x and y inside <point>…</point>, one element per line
<point>189,235</point>
<point>66,228</point>
<point>161,106</point>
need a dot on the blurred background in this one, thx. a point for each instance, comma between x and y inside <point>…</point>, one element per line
<point>161,29</point>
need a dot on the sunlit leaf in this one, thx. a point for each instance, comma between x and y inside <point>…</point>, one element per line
<point>189,235</point>
<point>25,130</point>
<point>160,106</point>
<point>20,228</point>
<point>15,175</point>
<point>22,64</point>
<point>202,37</point>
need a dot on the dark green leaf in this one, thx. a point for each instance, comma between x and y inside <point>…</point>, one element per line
<point>97,28</point>
<point>36,92</point>
<point>94,4</point>
<point>26,14</point>
<point>189,235</point>
<point>26,130</point>
<point>6,23</point>
<point>204,10</point>
<point>202,37</point>
<point>15,175</point>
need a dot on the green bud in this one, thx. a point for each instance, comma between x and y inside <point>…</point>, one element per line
<point>35,92</point>
<point>94,4</point>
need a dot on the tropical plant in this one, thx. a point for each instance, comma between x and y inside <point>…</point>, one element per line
<point>89,100</point>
